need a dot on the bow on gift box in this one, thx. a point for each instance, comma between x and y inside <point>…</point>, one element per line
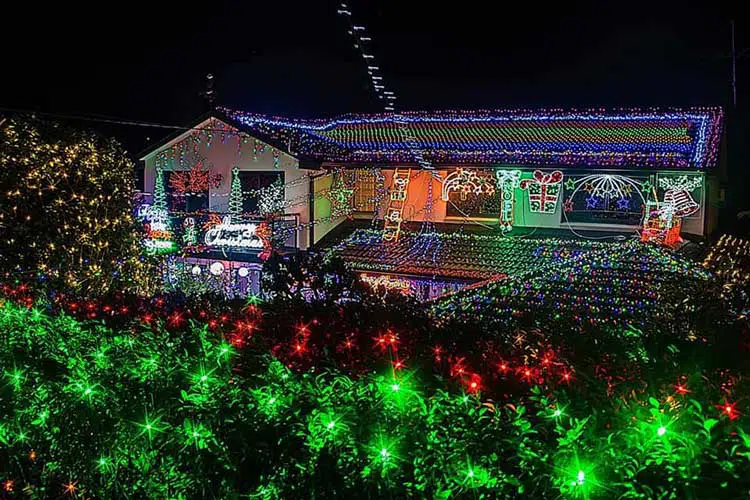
<point>543,190</point>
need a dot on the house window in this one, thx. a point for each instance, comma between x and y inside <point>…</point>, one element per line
<point>252,182</point>
<point>364,182</point>
<point>181,197</point>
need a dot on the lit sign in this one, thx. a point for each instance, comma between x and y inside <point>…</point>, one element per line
<point>155,216</point>
<point>227,234</point>
<point>158,237</point>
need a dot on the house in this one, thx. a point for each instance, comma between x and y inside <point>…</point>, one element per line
<point>435,200</point>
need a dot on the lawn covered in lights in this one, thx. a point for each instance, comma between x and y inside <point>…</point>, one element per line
<point>160,400</point>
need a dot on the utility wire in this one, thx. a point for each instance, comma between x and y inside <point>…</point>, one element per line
<point>116,121</point>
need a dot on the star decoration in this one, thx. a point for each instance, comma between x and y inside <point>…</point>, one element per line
<point>592,202</point>
<point>623,204</point>
<point>588,187</point>
<point>340,197</point>
<point>646,186</point>
<point>568,205</point>
<point>570,184</point>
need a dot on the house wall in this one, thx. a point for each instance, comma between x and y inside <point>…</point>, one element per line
<point>223,154</point>
<point>414,209</point>
<point>322,208</point>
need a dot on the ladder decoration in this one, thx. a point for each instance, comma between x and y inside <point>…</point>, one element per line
<point>394,213</point>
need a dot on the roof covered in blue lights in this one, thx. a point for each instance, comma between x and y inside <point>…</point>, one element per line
<point>668,139</point>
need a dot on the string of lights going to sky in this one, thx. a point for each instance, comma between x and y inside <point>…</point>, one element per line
<point>361,43</point>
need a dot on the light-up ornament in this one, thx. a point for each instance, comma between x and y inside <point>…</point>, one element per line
<point>602,188</point>
<point>227,234</point>
<point>387,282</point>
<point>340,197</point>
<point>507,182</point>
<point>543,190</point>
<point>271,199</point>
<point>394,213</point>
<point>158,234</point>
<point>243,272</point>
<point>190,232</point>
<point>660,225</point>
<point>216,268</point>
<point>196,270</point>
<point>466,182</point>
<point>678,195</point>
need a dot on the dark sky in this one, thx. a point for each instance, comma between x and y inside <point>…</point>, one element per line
<point>147,61</point>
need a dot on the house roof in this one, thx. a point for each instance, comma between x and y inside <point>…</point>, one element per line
<point>218,122</point>
<point>673,139</point>
<point>457,255</point>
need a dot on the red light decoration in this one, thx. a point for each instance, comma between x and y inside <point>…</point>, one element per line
<point>729,409</point>
<point>175,319</point>
<point>196,180</point>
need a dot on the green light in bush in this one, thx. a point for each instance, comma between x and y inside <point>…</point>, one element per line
<point>151,426</point>
<point>15,377</point>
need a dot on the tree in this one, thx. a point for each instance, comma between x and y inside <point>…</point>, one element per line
<point>66,210</point>
<point>235,195</point>
<point>160,197</point>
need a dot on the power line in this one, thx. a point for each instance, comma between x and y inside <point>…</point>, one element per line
<point>117,121</point>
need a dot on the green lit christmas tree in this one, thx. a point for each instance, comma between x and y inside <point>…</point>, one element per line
<point>160,197</point>
<point>235,195</point>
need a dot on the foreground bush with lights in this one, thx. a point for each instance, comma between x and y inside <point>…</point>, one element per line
<point>66,210</point>
<point>86,411</point>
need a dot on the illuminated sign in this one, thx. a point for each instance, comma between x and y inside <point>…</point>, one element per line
<point>227,234</point>
<point>158,237</point>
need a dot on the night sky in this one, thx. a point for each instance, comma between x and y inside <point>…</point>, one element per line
<point>147,61</point>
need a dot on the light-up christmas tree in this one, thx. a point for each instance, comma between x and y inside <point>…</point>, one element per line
<point>235,195</point>
<point>160,196</point>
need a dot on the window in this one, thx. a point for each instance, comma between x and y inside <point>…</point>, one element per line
<point>179,200</point>
<point>251,182</point>
<point>364,182</point>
